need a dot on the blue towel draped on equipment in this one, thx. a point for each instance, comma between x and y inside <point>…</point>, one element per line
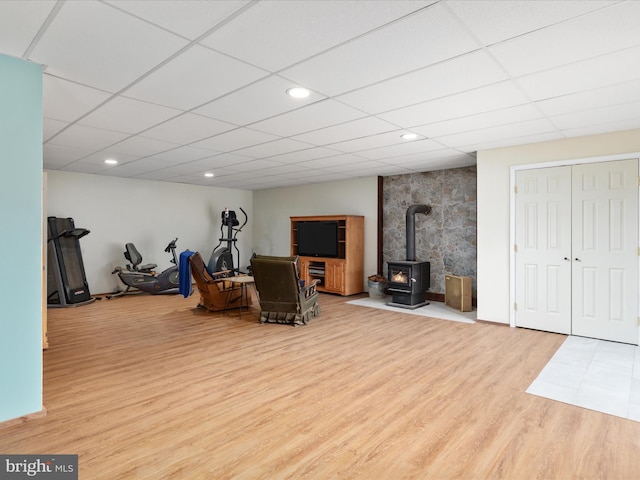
<point>184,271</point>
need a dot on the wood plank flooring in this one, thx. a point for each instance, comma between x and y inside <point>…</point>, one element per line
<point>152,388</point>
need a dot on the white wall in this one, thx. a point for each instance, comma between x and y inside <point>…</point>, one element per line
<point>148,213</point>
<point>272,209</point>
<point>493,206</point>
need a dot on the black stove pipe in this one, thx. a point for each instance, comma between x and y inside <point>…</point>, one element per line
<point>411,228</point>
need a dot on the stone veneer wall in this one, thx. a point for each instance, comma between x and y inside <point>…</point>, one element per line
<point>447,236</point>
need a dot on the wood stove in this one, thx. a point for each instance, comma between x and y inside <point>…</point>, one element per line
<point>409,280</point>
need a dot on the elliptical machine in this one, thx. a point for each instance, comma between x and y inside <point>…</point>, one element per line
<point>222,257</point>
<point>143,278</point>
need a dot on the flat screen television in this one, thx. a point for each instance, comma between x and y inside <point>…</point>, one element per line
<point>318,239</point>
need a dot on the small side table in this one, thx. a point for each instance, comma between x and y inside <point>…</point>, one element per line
<point>243,281</point>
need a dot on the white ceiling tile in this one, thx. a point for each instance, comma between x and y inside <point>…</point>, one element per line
<point>68,101</point>
<point>187,128</point>
<point>426,84</point>
<point>446,158</point>
<point>277,147</point>
<point>427,37</point>
<point>479,121</point>
<point>441,152</point>
<point>76,38</point>
<point>269,181</point>
<point>388,170</point>
<point>202,74</point>
<point>231,161</point>
<point>347,131</point>
<point>416,146</point>
<point>256,166</point>
<point>353,164</point>
<point>92,168</point>
<point>128,115</point>
<point>195,179</point>
<point>413,158</point>
<point>485,99</point>
<point>140,146</point>
<point>86,138</point>
<point>597,116</point>
<point>57,156</point>
<point>263,99</point>
<point>129,169</point>
<point>318,115</point>
<point>496,20</point>
<point>189,18</point>
<point>612,95</point>
<point>158,175</point>
<point>321,163</point>
<point>235,139</point>
<point>50,127</point>
<point>98,158</point>
<point>330,177</point>
<point>513,130</point>
<point>283,169</point>
<point>598,33</point>
<point>20,22</point>
<point>373,141</point>
<point>240,176</point>
<point>421,67</point>
<point>181,154</point>
<point>617,126</point>
<point>273,40</point>
<point>307,154</point>
<point>456,161</point>
<point>302,174</point>
<point>174,170</point>
<point>342,163</point>
<point>506,142</point>
<point>614,68</point>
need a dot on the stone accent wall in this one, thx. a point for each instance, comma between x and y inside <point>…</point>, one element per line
<point>447,236</point>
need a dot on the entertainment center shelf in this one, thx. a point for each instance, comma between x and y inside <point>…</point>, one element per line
<point>331,250</point>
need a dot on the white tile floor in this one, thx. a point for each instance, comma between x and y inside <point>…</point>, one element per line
<point>594,374</point>
<point>433,309</point>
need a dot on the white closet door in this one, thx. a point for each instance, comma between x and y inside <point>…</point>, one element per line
<point>543,243</point>
<point>605,251</point>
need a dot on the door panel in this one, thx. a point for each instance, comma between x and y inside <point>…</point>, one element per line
<point>543,239</point>
<point>576,258</point>
<point>604,250</point>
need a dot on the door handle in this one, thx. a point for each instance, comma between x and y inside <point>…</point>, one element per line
<point>577,259</point>
<point>567,259</point>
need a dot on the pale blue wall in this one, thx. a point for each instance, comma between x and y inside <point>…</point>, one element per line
<point>21,238</point>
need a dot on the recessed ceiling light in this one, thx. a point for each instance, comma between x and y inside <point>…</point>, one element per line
<point>298,92</point>
<point>409,136</point>
<point>111,161</point>
<point>208,174</point>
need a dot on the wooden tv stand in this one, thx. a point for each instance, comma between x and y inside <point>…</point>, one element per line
<point>345,273</point>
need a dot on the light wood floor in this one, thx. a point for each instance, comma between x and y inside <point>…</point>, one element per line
<point>150,387</point>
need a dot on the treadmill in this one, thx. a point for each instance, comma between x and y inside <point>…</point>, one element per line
<point>66,281</point>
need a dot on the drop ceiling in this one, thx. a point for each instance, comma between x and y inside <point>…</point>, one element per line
<point>175,89</point>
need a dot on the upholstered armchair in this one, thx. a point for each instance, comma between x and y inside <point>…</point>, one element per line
<point>282,298</point>
<point>216,293</point>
